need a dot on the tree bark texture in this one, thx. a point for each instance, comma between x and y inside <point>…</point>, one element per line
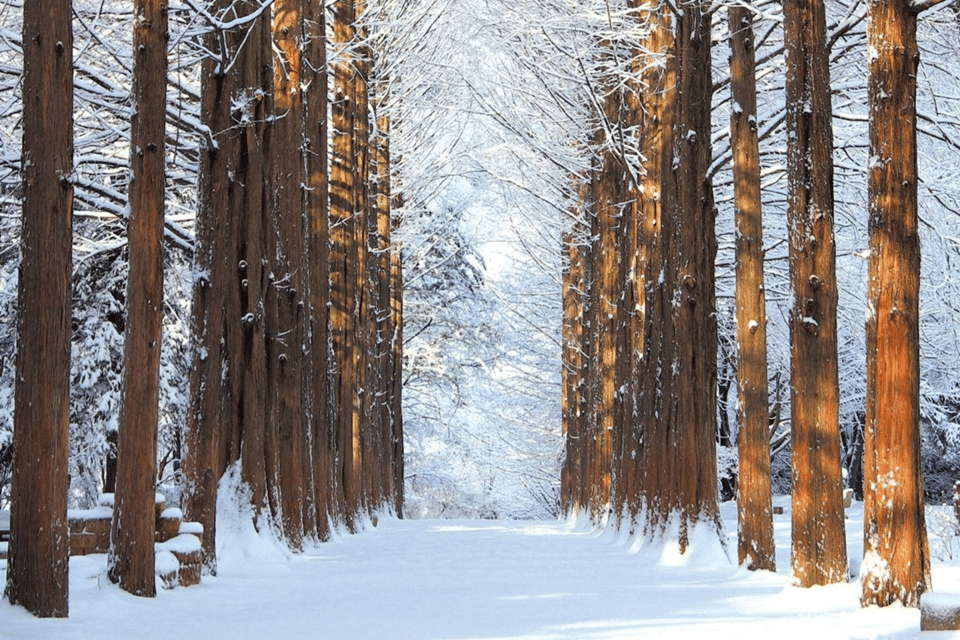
<point>755,532</point>
<point>574,363</point>
<point>347,224</point>
<point>228,393</point>
<point>681,450</point>
<point>819,553</point>
<point>896,564</point>
<point>131,558</point>
<point>648,440</point>
<point>314,78</point>
<point>37,567</point>
<point>286,252</point>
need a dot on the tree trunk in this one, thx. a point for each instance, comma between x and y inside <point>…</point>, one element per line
<point>819,553</point>
<point>896,555</point>
<point>347,226</point>
<point>396,381</point>
<point>287,345</point>
<point>37,568</point>
<point>228,394</point>
<point>686,435</point>
<point>131,560</point>
<point>314,77</point>
<point>574,363</point>
<point>755,533</point>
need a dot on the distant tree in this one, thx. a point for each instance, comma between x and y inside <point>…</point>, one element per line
<point>37,568</point>
<point>131,559</point>
<point>819,546</point>
<point>896,561</point>
<point>755,534</point>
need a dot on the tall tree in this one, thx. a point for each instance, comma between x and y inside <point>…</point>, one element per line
<point>287,339</point>
<point>315,145</point>
<point>37,568</point>
<point>348,214</point>
<point>819,554</point>
<point>755,533</point>
<point>896,564</point>
<point>228,395</point>
<point>131,561</point>
<point>679,447</point>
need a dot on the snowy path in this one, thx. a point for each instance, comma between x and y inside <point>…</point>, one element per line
<point>438,580</point>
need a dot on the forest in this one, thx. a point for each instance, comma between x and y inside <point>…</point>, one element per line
<point>344,262</point>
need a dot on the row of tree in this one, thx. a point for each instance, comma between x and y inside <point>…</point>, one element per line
<point>640,322</point>
<point>296,337</point>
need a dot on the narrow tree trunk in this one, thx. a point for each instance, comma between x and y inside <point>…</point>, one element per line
<point>755,534</point>
<point>574,363</point>
<point>896,561</point>
<point>314,78</point>
<point>286,252</point>
<point>37,568</point>
<point>346,226</point>
<point>131,561</point>
<point>396,357</point>
<point>385,319</point>
<point>819,554</point>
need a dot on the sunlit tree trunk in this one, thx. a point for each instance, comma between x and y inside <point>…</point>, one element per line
<point>819,553</point>
<point>574,363</point>
<point>755,532</point>
<point>347,265</point>
<point>37,567</point>
<point>604,326</point>
<point>679,448</point>
<point>131,559</point>
<point>287,342</point>
<point>896,560</point>
<point>314,78</point>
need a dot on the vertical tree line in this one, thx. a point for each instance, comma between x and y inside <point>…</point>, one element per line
<point>644,362</point>
<point>296,354</point>
<point>639,375</point>
<point>294,303</point>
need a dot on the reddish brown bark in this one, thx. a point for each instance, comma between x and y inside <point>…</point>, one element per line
<point>314,76</point>
<point>680,449</point>
<point>37,568</point>
<point>755,533</point>
<point>819,553</point>
<point>131,561</point>
<point>228,395</point>
<point>574,365</point>
<point>896,565</point>
<point>286,342</point>
<point>347,226</point>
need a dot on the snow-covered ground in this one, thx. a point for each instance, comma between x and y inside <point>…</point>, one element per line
<point>436,579</point>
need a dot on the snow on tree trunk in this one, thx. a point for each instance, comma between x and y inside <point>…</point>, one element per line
<point>287,337</point>
<point>228,395</point>
<point>819,553</point>
<point>755,535</point>
<point>896,564</point>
